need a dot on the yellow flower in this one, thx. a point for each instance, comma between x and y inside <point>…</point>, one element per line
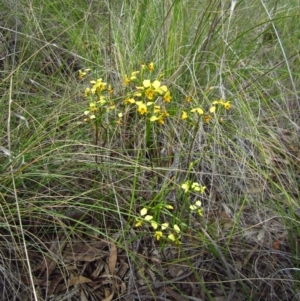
<point>98,85</point>
<point>139,223</point>
<point>82,74</point>
<point>137,94</point>
<point>196,206</point>
<point>227,105</point>
<point>156,109</point>
<point>185,186</point>
<point>133,75</point>
<point>175,239</point>
<point>200,211</point>
<point>176,228</point>
<point>154,118</point>
<point>158,235</point>
<point>93,107</point>
<point>167,97</point>
<point>184,115</point>
<point>151,66</point>
<point>142,108</point>
<point>152,89</point>
<point>212,109</point>
<point>172,237</point>
<point>119,121</point>
<point>154,225</point>
<point>198,110</point>
<point>146,83</point>
<point>148,218</point>
<point>129,100</point>
<point>159,119</point>
<point>126,80</point>
<point>195,186</point>
<point>143,211</point>
<point>158,88</point>
<point>164,226</point>
<point>87,92</point>
<point>207,118</point>
<point>102,100</point>
<point>193,207</point>
<point>188,99</point>
<point>111,107</point>
<point>90,115</point>
<point>170,207</point>
<point>198,203</point>
<point>150,93</point>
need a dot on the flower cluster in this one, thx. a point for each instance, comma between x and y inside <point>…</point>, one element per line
<point>83,73</point>
<point>192,186</point>
<point>197,207</point>
<point>221,102</point>
<point>164,230</point>
<point>195,187</point>
<point>99,96</point>
<point>149,97</point>
<point>200,112</point>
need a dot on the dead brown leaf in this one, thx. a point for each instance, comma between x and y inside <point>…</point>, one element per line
<point>85,252</point>
<point>112,260</point>
<point>109,298</point>
<point>78,280</point>
<point>122,269</point>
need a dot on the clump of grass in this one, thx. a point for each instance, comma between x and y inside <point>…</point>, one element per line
<point>144,105</point>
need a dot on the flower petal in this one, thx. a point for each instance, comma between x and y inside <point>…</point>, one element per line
<point>148,218</point>
<point>172,237</point>
<point>212,109</point>
<point>164,226</point>
<point>146,83</point>
<point>154,225</point>
<point>143,211</point>
<point>176,228</point>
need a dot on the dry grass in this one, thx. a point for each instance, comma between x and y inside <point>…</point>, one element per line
<point>68,206</point>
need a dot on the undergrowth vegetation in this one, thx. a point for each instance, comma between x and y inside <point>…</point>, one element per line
<point>149,150</point>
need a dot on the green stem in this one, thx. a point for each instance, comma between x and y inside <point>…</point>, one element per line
<point>96,138</point>
<point>193,141</point>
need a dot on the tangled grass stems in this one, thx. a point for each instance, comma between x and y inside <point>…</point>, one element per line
<point>200,96</point>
